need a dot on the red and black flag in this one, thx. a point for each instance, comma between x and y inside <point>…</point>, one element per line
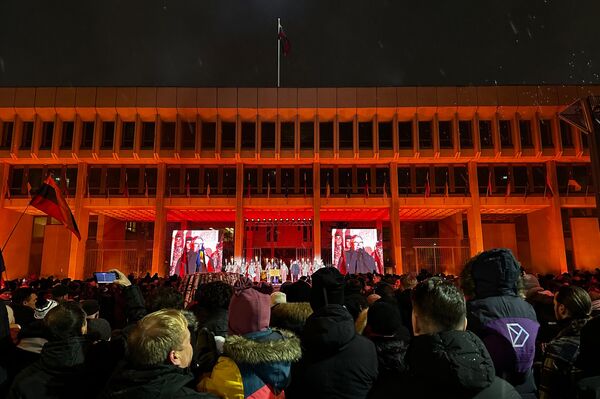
<point>49,200</point>
<point>284,42</point>
<point>427,186</point>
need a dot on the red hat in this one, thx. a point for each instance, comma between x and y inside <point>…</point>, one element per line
<point>249,311</point>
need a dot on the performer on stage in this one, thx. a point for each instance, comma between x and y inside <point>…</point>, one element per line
<point>178,249</point>
<point>268,268</point>
<point>357,259</point>
<point>295,270</point>
<point>284,272</point>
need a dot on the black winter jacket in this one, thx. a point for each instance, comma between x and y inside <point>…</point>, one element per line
<point>391,365</point>
<point>453,364</point>
<point>336,362</point>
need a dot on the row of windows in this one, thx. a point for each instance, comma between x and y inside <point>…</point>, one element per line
<point>493,179</point>
<point>287,137</point>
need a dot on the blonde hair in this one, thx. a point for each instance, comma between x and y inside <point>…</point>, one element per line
<point>155,336</point>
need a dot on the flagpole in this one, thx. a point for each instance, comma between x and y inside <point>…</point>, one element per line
<point>10,235</point>
<point>278,51</point>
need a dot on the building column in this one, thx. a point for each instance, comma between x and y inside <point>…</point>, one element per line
<point>395,220</point>
<point>82,218</point>
<point>316,236</point>
<point>474,212</point>
<point>238,246</point>
<point>548,254</point>
<point>160,222</point>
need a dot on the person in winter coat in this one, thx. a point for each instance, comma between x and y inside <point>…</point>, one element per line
<point>589,353</point>
<point>336,362</point>
<point>384,327</point>
<point>256,359</point>
<point>572,306</point>
<point>212,302</point>
<point>61,371</point>
<point>504,321</point>
<point>159,354</point>
<point>444,360</point>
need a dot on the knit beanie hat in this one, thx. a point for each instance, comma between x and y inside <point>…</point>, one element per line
<point>383,318</point>
<point>327,288</point>
<point>249,311</point>
<point>298,292</point>
<point>278,297</point>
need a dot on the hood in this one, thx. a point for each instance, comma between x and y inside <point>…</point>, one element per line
<point>495,272</point>
<point>153,382</point>
<point>457,359</point>
<point>58,356</point>
<point>328,330</point>
<point>290,316</point>
<point>390,353</point>
<point>263,347</point>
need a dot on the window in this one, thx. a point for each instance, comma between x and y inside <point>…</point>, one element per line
<point>346,132</point>
<point>173,183</point>
<point>228,135</point>
<point>445,133</point>
<point>442,177</point>
<point>326,135</point>
<point>307,135</point>
<point>287,181</point>
<point>345,180</point>
<point>229,181</point>
<point>108,135</point>
<point>465,134</point>
<point>584,140</point>
<point>485,180</point>
<point>188,135</point>
<point>386,141</point>
<point>66,141</point>
<point>167,136</point>
<point>566,136</point>
<point>485,134</point>
<point>113,181</point>
<point>87,136</point>
<point>27,137</point>
<point>501,177</point>
<point>6,136</point>
<point>461,180</point>
<point>425,135</point>
<point>405,138</point>
<point>404,181</point>
<point>546,133</point>
<point>505,133</point>
<point>147,136</point>
<point>520,179</point>
<point>382,180</point>
<point>306,180</point>
<point>47,135</point>
<point>268,178</point>
<point>209,133</point>
<point>365,135</point>
<point>127,135</point>
<point>421,179</point>
<point>326,177</point>
<point>248,135</point>
<point>267,133</point>
<point>132,180</point>
<point>15,180</point>
<point>525,134</point>
<point>288,141</point>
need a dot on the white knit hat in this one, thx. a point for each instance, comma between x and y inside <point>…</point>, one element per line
<point>41,312</point>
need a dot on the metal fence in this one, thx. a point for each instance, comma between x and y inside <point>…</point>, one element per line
<point>436,255</point>
<point>126,256</point>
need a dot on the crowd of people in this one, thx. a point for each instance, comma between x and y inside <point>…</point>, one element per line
<point>492,332</point>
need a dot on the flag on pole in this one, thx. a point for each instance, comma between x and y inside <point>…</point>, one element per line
<point>208,189</point>
<point>548,191</point>
<point>573,184</point>
<point>327,188</point>
<point>366,185</point>
<point>28,191</point>
<point>348,189</point>
<point>508,186</point>
<point>427,186</point>
<point>446,186</point>
<point>49,200</point>
<point>488,190</point>
<point>269,185</point>
<point>283,40</point>
<point>385,185</point>
<point>146,185</point>
<point>187,185</point>
<point>304,185</point>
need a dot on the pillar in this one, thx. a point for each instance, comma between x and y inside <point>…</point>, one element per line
<point>82,218</point>
<point>474,212</point>
<point>451,231</point>
<point>316,236</point>
<point>547,242</point>
<point>395,220</point>
<point>238,245</point>
<point>160,222</point>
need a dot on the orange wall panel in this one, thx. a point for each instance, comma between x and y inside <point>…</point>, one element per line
<point>586,236</point>
<point>500,235</point>
<point>56,250</point>
<point>16,253</point>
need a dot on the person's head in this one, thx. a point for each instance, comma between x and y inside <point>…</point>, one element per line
<point>178,240</point>
<point>408,281</point>
<point>327,288</point>
<point>348,241</point>
<point>249,311</point>
<point>214,295</point>
<point>91,307</point>
<point>60,293</point>
<point>25,296</point>
<point>159,338</point>
<point>572,302</point>
<point>197,244</point>
<point>66,320</point>
<point>438,306</point>
<point>164,298</point>
<point>357,243</point>
<point>495,272</point>
<point>383,319</point>
<point>338,238</point>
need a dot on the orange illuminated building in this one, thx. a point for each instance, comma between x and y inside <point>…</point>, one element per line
<point>441,172</point>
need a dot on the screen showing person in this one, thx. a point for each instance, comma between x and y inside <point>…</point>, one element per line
<point>195,251</point>
<point>358,252</point>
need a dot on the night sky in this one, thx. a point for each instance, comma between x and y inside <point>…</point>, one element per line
<point>334,43</point>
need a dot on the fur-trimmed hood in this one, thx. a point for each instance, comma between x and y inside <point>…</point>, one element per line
<point>290,316</point>
<point>263,347</point>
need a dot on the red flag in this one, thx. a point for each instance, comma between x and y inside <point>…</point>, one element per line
<point>183,263</point>
<point>284,42</point>
<point>366,185</point>
<point>145,185</point>
<point>187,185</point>
<point>342,263</point>
<point>248,185</point>
<point>304,185</point>
<point>49,200</point>
<point>427,186</point>
<point>126,188</point>
<point>508,187</point>
<point>378,252</point>
<point>488,190</point>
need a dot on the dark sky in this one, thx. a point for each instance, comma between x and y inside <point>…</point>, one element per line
<point>334,42</point>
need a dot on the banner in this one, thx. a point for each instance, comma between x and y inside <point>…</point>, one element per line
<point>353,250</point>
<point>195,251</point>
